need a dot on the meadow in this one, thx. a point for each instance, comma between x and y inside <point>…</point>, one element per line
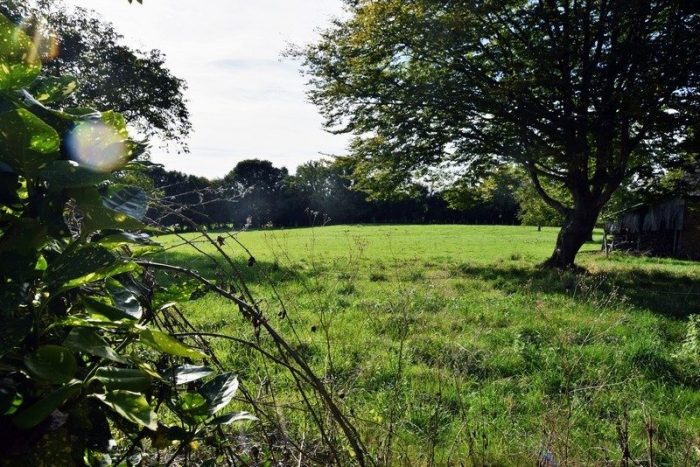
<point>450,346</point>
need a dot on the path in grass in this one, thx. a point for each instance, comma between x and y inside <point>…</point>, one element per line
<point>454,337</point>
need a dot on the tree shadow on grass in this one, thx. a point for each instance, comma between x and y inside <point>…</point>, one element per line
<point>217,267</point>
<point>674,295</point>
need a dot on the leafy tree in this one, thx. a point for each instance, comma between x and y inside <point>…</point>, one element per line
<point>582,94</point>
<point>495,194</point>
<point>135,83</point>
<point>261,186</point>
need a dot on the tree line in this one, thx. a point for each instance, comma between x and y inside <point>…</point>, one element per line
<point>256,194</point>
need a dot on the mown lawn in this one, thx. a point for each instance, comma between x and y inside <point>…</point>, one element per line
<point>453,340</point>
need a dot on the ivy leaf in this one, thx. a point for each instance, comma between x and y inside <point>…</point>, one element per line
<point>37,412</point>
<point>132,406</point>
<point>87,340</point>
<point>20,63</point>
<point>184,374</point>
<point>51,363</point>
<point>220,391</point>
<point>165,343</point>
<point>130,379</point>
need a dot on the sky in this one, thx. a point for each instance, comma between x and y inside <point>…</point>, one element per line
<point>245,99</point>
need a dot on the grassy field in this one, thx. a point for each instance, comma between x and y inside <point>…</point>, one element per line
<point>450,346</point>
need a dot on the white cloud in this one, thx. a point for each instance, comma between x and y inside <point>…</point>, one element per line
<point>246,101</point>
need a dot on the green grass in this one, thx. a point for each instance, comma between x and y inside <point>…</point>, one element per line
<point>455,338</point>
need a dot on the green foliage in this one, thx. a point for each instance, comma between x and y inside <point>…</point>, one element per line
<point>135,82</point>
<point>77,314</point>
<point>425,86</point>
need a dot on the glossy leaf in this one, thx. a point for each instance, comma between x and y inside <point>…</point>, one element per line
<point>132,406</point>
<point>101,311</point>
<point>52,88</point>
<point>51,363</point>
<point>129,200</point>
<point>165,343</point>
<point>124,300</point>
<point>130,379</point>
<point>85,264</point>
<point>220,391</point>
<point>27,144</point>
<point>88,341</point>
<point>184,374</point>
<point>98,216</point>
<point>68,174</point>
<point>36,413</point>
<point>19,58</point>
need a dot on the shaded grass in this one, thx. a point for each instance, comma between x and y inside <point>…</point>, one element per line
<point>452,337</point>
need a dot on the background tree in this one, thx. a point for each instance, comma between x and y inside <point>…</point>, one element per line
<point>134,82</point>
<point>580,93</point>
<point>260,185</point>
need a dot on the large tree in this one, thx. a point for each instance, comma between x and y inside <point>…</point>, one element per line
<point>582,94</point>
<point>137,83</point>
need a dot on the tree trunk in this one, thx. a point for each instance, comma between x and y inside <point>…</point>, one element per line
<point>576,231</point>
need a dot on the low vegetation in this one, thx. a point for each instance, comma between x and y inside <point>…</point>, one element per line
<point>448,344</point>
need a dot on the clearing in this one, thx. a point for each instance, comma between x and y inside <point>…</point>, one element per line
<point>449,345</point>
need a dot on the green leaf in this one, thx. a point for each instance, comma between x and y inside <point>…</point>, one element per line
<point>130,379</point>
<point>102,311</point>
<point>37,412</point>
<point>220,391</point>
<point>27,144</point>
<point>85,264</point>
<point>52,88</point>
<point>68,174</point>
<point>87,340</point>
<point>118,238</point>
<point>132,406</point>
<point>124,300</point>
<point>20,63</point>
<point>230,418</point>
<point>165,343</point>
<point>51,363</point>
<point>184,374</point>
<point>98,216</point>
<point>194,405</point>
<point>129,200</point>
<point>115,121</point>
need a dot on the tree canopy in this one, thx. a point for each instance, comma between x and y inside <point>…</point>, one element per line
<point>582,94</point>
<point>107,73</point>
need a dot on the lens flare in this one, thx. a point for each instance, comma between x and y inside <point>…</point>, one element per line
<point>45,40</point>
<point>97,146</point>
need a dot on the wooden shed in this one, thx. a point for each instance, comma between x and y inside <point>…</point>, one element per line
<point>670,228</point>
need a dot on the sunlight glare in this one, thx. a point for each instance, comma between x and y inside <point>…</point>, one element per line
<point>97,146</point>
